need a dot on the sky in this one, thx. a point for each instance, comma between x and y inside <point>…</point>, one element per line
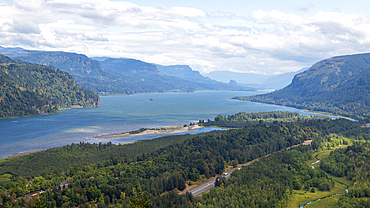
<point>249,36</point>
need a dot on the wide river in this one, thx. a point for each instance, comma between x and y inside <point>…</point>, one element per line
<point>120,114</point>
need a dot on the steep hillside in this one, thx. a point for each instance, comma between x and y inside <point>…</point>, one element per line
<point>16,101</point>
<point>74,64</point>
<point>114,76</point>
<point>337,85</point>
<point>31,89</point>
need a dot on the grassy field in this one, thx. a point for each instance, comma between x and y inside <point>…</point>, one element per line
<point>327,202</point>
<point>300,197</point>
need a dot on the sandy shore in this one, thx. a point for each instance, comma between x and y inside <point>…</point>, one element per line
<point>152,131</point>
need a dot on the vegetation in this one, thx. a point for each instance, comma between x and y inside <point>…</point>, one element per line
<point>30,89</point>
<point>116,178</point>
<point>269,182</point>
<point>61,159</point>
<point>243,119</point>
<point>338,85</point>
<point>352,163</point>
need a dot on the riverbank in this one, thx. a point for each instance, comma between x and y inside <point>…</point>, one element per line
<point>151,131</point>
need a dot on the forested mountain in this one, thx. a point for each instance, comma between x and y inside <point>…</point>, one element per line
<point>31,89</point>
<point>338,85</point>
<point>88,73</point>
<point>114,76</point>
<point>173,78</point>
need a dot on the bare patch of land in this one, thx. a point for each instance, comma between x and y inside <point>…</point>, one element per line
<point>152,131</point>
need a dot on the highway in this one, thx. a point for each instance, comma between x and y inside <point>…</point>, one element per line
<point>205,187</point>
<point>208,185</point>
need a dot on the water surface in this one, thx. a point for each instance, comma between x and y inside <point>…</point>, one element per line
<point>120,114</point>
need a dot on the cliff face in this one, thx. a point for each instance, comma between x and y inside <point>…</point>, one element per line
<point>94,101</point>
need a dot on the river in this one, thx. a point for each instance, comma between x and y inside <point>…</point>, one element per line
<point>120,114</point>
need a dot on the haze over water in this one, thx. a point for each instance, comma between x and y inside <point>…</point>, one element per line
<point>121,114</point>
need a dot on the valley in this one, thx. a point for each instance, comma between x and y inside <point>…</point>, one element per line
<point>169,149</point>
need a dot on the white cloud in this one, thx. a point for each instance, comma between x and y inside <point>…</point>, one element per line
<point>263,42</point>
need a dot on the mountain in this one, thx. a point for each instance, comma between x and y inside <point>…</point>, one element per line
<point>282,80</point>
<point>243,78</point>
<point>107,76</point>
<point>131,66</point>
<point>31,89</point>
<point>255,80</point>
<point>338,85</point>
<point>149,77</point>
<point>184,72</point>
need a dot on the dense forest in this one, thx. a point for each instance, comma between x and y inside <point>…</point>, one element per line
<point>124,176</point>
<point>339,85</point>
<point>31,89</point>
<point>243,119</point>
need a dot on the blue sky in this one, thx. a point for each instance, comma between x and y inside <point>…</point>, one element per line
<point>264,37</point>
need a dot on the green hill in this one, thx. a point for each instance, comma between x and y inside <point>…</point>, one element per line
<point>31,89</point>
<point>338,85</point>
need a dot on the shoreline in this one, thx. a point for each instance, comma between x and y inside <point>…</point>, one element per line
<point>151,131</point>
<point>140,132</point>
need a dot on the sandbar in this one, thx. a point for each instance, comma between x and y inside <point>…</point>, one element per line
<point>152,131</point>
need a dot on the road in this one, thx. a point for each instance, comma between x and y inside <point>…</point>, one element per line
<point>208,185</point>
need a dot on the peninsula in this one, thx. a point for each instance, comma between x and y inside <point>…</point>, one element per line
<point>152,131</point>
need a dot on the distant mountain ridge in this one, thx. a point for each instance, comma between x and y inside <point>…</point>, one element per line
<point>31,89</point>
<point>184,72</point>
<point>110,76</point>
<point>256,80</point>
<point>282,80</point>
<point>131,66</point>
<point>339,85</point>
<point>244,78</point>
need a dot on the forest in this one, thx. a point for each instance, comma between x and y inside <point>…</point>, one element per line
<point>122,177</point>
<point>31,89</point>
<point>243,119</point>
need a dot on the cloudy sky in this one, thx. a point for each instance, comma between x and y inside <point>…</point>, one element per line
<point>265,37</point>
